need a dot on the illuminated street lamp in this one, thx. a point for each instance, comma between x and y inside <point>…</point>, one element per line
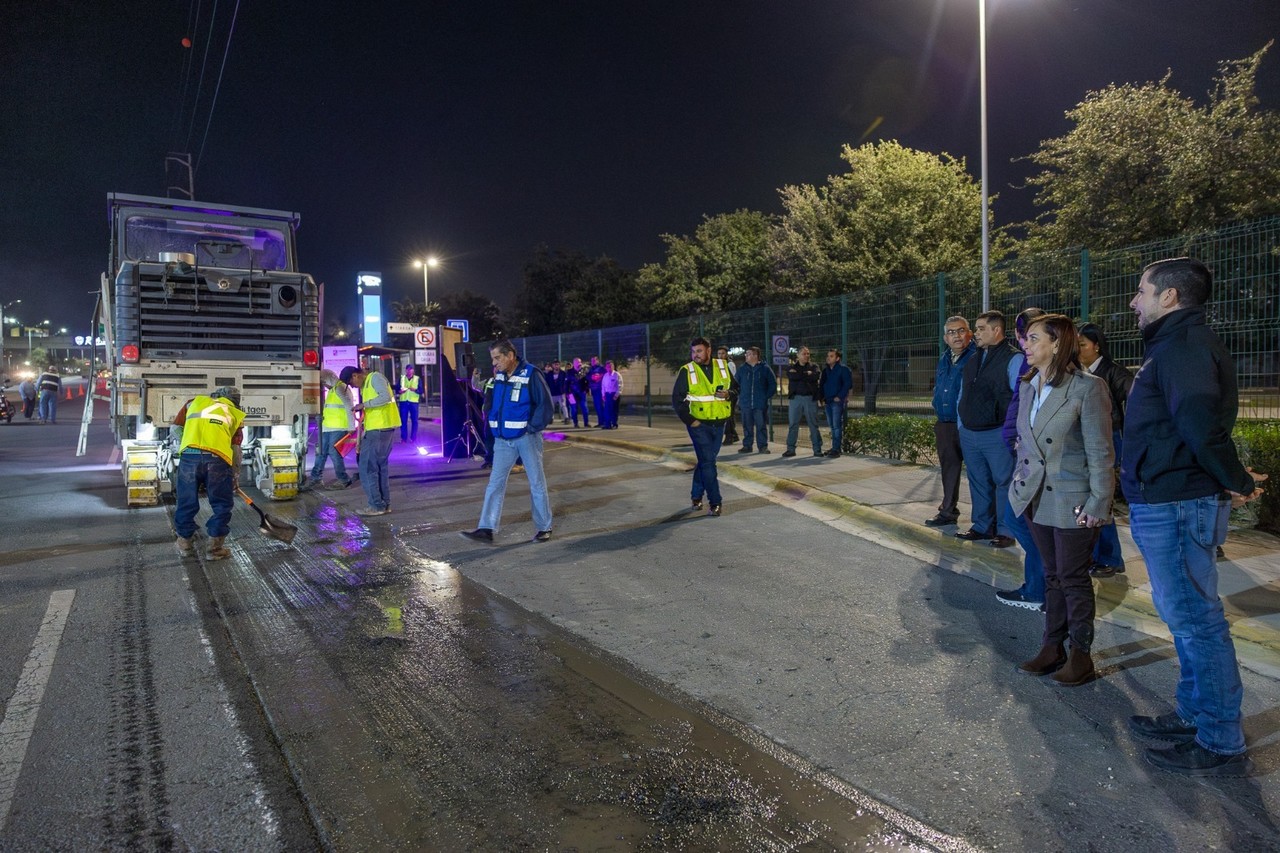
<point>430,261</point>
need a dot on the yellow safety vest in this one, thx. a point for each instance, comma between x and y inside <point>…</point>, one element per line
<point>386,416</point>
<point>336,417</point>
<point>703,404</point>
<point>409,389</point>
<point>210,425</point>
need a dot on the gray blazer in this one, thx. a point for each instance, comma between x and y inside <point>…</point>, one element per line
<point>1066,459</point>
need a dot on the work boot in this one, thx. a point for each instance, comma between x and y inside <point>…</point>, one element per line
<point>217,551</point>
<point>183,545</point>
<point>1079,670</point>
<point>1051,658</point>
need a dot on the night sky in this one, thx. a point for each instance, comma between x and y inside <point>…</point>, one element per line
<point>477,130</point>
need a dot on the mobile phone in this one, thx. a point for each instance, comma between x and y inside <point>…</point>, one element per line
<point>1078,510</point>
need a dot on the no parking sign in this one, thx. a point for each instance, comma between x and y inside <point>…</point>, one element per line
<point>781,349</point>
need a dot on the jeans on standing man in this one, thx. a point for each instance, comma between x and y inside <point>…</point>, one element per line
<point>526,449</point>
<point>375,466</point>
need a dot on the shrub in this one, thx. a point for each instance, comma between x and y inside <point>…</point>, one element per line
<point>1259,444</point>
<point>891,436</point>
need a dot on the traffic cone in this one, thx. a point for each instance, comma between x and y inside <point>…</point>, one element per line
<point>81,390</point>
<point>68,392</point>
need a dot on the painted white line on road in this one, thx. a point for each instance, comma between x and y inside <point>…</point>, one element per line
<point>24,706</point>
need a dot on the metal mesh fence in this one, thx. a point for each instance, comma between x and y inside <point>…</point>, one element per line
<point>891,336</point>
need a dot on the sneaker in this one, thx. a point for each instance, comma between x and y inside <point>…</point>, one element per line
<point>540,536</point>
<point>1100,570</point>
<point>338,485</point>
<point>941,520</point>
<point>183,544</point>
<point>744,449</point>
<point>714,509</point>
<point>1001,541</point>
<point>818,454</point>
<point>833,454</point>
<point>372,510</point>
<point>480,534</point>
<point>697,503</point>
<point>972,535</point>
<point>788,454</point>
<point>1192,759</point>
<point>765,450</point>
<point>1015,598</point>
<point>1168,727</point>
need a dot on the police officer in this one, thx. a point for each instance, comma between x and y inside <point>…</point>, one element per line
<point>209,456</point>
<point>410,388</point>
<point>381,420</point>
<point>519,410</point>
<point>703,398</point>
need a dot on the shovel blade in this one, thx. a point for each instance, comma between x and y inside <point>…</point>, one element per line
<point>277,529</point>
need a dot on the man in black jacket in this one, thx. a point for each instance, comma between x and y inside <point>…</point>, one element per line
<point>1181,475</point>
<point>804,389</point>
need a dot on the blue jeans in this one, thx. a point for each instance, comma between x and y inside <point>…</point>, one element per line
<point>1032,564</point>
<point>408,421</point>
<point>527,449</point>
<point>375,466</point>
<point>835,419</point>
<point>807,407</point>
<point>755,428</point>
<point>1107,549</point>
<point>579,405</point>
<point>706,439</point>
<point>196,467</point>
<point>326,450</point>
<point>990,468</point>
<point>49,406</point>
<point>1178,541</point>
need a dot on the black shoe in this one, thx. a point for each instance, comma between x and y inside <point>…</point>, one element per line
<point>972,535</point>
<point>714,509</point>
<point>788,454</point>
<point>1192,759</point>
<point>941,520</point>
<point>1015,598</point>
<point>1168,727</point>
<point>818,454</point>
<point>765,450</point>
<point>480,534</point>
<point>1099,570</point>
<point>744,449</point>
<point>1219,553</point>
<point>833,454</point>
<point>697,503</point>
<point>1001,541</point>
<point>542,536</point>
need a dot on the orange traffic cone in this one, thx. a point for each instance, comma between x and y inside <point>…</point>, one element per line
<point>81,390</point>
<point>68,392</point>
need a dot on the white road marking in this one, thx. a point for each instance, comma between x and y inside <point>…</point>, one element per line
<point>24,706</point>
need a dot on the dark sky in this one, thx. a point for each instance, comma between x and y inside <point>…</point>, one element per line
<point>476,130</point>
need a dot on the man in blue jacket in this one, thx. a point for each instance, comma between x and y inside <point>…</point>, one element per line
<point>1181,475</point>
<point>520,409</point>
<point>756,386</point>
<point>836,382</point>
<point>960,347</point>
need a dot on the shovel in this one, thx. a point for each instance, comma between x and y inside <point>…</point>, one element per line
<point>271,526</point>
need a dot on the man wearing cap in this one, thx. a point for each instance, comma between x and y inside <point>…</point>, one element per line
<point>410,394</point>
<point>381,420</point>
<point>209,456</point>
<point>336,420</point>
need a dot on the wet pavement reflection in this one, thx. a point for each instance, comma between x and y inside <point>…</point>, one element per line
<point>419,710</point>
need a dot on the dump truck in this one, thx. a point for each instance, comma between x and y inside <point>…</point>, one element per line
<point>199,296</point>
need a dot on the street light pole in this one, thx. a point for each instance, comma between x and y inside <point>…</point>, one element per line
<point>986,225</point>
<point>3,307</point>
<point>426,265</point>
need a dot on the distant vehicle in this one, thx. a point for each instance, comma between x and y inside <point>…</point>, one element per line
<point>200,296</point>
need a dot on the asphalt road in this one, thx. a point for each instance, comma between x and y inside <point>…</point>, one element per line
<point>649,679</point>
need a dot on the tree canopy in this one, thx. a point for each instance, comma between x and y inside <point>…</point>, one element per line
<point>1144,162</point>
<point>565,290</point>
<point>481,311</point>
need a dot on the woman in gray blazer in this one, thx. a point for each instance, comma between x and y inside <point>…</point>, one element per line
<point>1063,481</point>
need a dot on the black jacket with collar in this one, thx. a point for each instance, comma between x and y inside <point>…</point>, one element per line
<point>1180,413</point>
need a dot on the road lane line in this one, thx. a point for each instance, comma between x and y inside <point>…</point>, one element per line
<point>24,706</point>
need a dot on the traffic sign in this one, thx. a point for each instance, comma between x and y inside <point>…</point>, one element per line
<point>399,328</point>
<point>462,325</point>
<point>424,356</point>
<point>781,349</point>
<point>424,337</point>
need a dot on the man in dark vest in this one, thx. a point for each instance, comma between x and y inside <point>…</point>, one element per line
<point>989,380</point>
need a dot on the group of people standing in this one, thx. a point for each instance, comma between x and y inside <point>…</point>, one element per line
<point>40,396</point>
<point>571,388</point>
<point>1040,427</point>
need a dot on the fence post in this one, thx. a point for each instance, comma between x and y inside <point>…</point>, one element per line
<point>648,376</point>
<point>767,346</point>
<point>600,343</point>
<point>844,325</point>
<point>1084,285</point>
<point>559,346</point>
<point>942,301</point>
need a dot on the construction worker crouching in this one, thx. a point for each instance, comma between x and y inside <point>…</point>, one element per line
<point>209,455</point>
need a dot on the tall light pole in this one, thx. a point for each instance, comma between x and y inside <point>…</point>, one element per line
<point>426,264</point>
<point>4,307</point>
<point>986,225</point>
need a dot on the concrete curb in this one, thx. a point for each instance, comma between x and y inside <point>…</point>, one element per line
<point>1257,647</point>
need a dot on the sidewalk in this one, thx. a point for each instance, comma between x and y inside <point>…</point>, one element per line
<point>890,500</point>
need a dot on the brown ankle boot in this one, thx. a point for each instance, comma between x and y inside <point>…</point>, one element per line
<point>1051,657</point>
<point>1079,669</point>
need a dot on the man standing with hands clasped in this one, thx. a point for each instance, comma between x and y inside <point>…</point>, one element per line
<point>836,382</point>
<point>703,399</point>
<point>1181,475</point>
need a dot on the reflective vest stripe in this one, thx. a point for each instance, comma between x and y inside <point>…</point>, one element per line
<point>703,403</point>
<point>210,424</point>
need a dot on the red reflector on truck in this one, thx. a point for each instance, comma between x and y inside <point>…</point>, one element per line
<point>311,358</point>
<point>129,354</point>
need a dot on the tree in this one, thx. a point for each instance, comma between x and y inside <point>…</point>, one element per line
<point>897,214</point>
<point>726,265</point>
<point>564,290</point>
<point>481,312</point>
<point>1145,162</point>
